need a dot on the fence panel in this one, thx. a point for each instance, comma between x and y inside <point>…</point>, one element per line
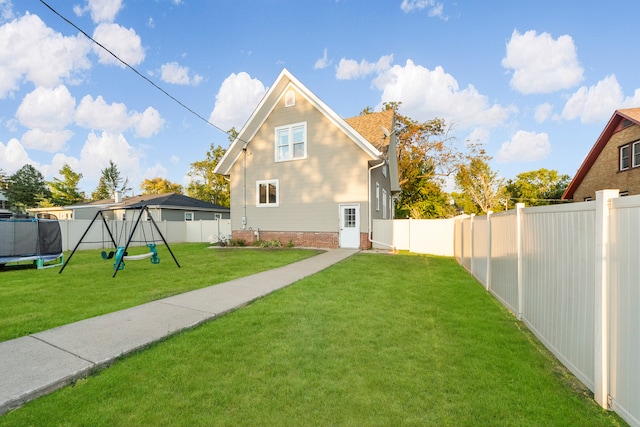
<point>480,248</point>
<point>559,282</point>
<point>504,259</point>
<point>624,377</point>
<point>431,236</point>
<point>383,233</point>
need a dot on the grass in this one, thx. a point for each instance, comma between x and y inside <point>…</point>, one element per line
<point>375,340</point>
<point>35,300</point>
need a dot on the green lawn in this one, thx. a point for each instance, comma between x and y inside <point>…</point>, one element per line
<point>376,340</point>
<point>35,300</point>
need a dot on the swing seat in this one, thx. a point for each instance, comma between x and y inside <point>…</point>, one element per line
<point>108,256</point>
<point>153,254</point>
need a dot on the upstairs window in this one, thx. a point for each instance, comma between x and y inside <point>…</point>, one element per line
<point>291,142</point>
<point>635,150</point>
<point>267,193</point>
<point>624,157</point>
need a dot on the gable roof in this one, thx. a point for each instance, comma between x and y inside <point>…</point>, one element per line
<point>165,200</point>
<point>266,106</point>
<point>632,114</point>
<point>375,127</point>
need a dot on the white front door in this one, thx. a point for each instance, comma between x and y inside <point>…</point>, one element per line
<point>350,226</point>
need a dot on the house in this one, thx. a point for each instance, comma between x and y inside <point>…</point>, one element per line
<point>4,206</point>
<point>301,174</point>
<point>163,207</point>
<point>614,160</point>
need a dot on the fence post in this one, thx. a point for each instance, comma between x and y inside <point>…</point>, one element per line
<point>602,289</point>
<point>519,207</point>
<point>473,239</point>
<point>487,279</point>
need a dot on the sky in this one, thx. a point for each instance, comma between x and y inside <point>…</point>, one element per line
<point>534,82</point>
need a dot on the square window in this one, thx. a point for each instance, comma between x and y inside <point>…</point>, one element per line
<point>291,142</point>
<point>188,216</point>
<point>624,157</point>
<point>267,193</point>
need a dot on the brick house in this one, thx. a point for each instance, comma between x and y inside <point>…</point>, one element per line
<point>614,160</point>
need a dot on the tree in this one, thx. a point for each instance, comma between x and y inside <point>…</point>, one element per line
<point>110,182</point>
<point>537,188</point>
<point>206,185</point>
<point>427,157</point>
<point>481,184</point>
<point>159,186</point>
<point>65,191</point>
<point>26,189</point>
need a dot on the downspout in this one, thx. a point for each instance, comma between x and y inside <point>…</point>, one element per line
<point>244,185</point>
<point>370,231</point>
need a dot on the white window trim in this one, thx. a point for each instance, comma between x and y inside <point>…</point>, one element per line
<point>384,204</point>
<point>187,215</point>
<point>290,130</point>
<point>628,147</point>
<point>267,204</point>
<point>217,216</point>
<point>635,146</point>
<point>377,196</point>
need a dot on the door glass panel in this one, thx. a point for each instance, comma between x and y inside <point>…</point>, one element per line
<point>349,217</point>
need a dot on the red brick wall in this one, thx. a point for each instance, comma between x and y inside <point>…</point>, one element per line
<point>304,239</point>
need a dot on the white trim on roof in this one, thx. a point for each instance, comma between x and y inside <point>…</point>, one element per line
<point>283,83</point>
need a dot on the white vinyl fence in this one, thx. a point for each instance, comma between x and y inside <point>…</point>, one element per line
<point>97,237</point>
<point>570,273</point>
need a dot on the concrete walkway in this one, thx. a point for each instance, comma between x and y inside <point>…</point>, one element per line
<point>37,364</point>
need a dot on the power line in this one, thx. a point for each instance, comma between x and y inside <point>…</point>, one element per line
<point>138,72</point>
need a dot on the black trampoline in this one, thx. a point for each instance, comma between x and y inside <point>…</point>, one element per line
<point>38,240</point>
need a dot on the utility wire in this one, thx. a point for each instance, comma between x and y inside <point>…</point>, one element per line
<point>151,82</point>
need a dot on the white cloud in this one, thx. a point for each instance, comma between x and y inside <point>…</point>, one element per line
<point>147,123</point>
<point>525,146</point>
<point>435,8</point>
<point>349,69</point>
<point>174,159</point>
<point>27,44</point>
<point>101,10</point>
<point>238,96</point>
<point>597,103</point>
<point>427,94</point>
<point>97,114</point>
<point>172,72</point>
<point>6,10</point>
<point>58,161</point>
<point>99,149</point>
<point>322,62</point>
<point>50,141</point>
<point>155,171</point>
<point>114,118</point>
<point>541,64</point>
<point>47,109</point>
<point>13,156</point>
<point>543,112</point>
<point>122,42</point>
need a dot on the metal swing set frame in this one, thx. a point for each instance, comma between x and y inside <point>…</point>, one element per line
<point>120,254</point>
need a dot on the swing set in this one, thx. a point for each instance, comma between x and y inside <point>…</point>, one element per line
<point>120,253</point>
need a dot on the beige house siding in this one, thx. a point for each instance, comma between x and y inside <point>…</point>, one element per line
<point>311,189</point>
<point>605,174</point>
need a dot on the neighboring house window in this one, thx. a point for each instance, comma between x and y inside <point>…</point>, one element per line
<point>267,193</point>
<point>624,193</point>
<point>384,204</point>
<point>384,170</point>
<point>377,196</point>
<point>188,216</point>
<point>217,216</point>
<point>635,149</point>
<point>624,157</point>
<point>291,142</point>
